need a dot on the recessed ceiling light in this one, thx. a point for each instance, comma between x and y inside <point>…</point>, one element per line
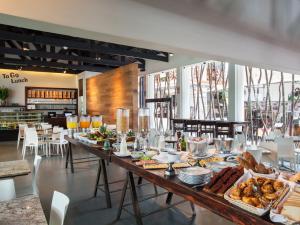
<point>65,47</point>
<point>98,58</point>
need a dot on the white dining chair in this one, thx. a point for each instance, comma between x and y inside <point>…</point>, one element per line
<point>30,141</point>
<point>286,151</point>
<point>58,141</point>
<point>59,206</point>
<point>7,190</point>
<point>36,166</point>
<point>21,133</point>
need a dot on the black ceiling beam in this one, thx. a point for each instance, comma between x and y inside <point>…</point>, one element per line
<point>39,69</point>
<point>53,65</point>
<point>58,56</point>
<point>82,45</point>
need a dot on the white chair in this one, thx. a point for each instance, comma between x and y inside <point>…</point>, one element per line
<point>7,190</point>
<point>59,206</point>
<point>56,129</point>
<point>286,150</point>
<point>58,141</point>
<point>36,166</point>
<point>269,153</point>
<point>21,133</point>
<point>30,140</point>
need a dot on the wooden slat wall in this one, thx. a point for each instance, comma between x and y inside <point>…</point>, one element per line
<point>111,90</point>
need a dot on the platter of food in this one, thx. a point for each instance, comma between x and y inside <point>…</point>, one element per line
<point>288,210</point>
<point>223,180</point>
<point>256,194</point>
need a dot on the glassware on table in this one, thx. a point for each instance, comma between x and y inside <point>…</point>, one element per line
<point>144,120</point>
<point>96,121</point>
<point>71,124</point>
<point>122,128</point>
<point>122,120</point>
<point>85,122</point>
<point>143,126</point>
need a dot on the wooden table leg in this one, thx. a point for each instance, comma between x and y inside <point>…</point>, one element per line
<point>68,153</point>
<point>122,198</point>
<point>71,158</point>
<point>169,198</point>
<point>135,203</point>
<point>105,182</point>
<point>98,179</point>
<point>140,180</point>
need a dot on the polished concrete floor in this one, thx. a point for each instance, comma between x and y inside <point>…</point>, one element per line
<point>84,208</point>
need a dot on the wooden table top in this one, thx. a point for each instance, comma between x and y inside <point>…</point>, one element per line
<point>25,210</point>
<point>215,204</point>
<point>14,168</point>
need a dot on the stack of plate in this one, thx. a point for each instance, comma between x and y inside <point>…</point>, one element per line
<point>195,175</point>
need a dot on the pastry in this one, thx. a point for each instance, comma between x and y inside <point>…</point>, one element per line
<point>278,185</point>
<point>248,162</point>
<point>267,188</point>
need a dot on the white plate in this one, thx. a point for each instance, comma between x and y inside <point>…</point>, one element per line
<point>208,155</point>
<point>122,155</point>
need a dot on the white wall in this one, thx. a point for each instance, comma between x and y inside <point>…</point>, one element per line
<point>133,23</point>
<point>35,79</point>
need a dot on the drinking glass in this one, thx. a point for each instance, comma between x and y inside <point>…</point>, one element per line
<point>143,120</point>
<point>122,120</point>
<point>96,121</point>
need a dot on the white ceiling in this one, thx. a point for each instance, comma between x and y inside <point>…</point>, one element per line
<point>261,33</point>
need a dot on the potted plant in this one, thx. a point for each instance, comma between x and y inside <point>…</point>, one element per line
<point>3,95</point>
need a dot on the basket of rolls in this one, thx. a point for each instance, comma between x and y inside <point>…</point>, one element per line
<point>256,194</point>
<point>257,169</point>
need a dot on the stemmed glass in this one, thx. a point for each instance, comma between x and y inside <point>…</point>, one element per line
<point>122,127</point>
<point>143,125</point>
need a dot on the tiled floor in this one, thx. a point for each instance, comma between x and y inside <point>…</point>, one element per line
<point>84,209</point>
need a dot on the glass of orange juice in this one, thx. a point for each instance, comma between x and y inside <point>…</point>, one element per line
<point>96,121</point>
<point>85,122</point>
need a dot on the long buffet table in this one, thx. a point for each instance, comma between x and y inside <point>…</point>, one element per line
<point>214,203</point>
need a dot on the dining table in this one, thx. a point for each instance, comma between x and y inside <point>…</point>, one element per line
<point>14,168</point>
<point>26,210</point>
<point>172,184</point>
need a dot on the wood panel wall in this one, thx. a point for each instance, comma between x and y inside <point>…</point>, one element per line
<point>114,89</point>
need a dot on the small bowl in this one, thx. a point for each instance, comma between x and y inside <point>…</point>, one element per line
<point>137,154</point>
<point>151,153</point>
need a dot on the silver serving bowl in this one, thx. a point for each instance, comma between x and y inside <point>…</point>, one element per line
<point>198,149</point>
<point>224,145</point>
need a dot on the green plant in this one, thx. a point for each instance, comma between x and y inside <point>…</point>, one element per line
<point>3,93</point>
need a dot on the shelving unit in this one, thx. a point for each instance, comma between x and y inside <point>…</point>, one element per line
<point>46,99</point>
